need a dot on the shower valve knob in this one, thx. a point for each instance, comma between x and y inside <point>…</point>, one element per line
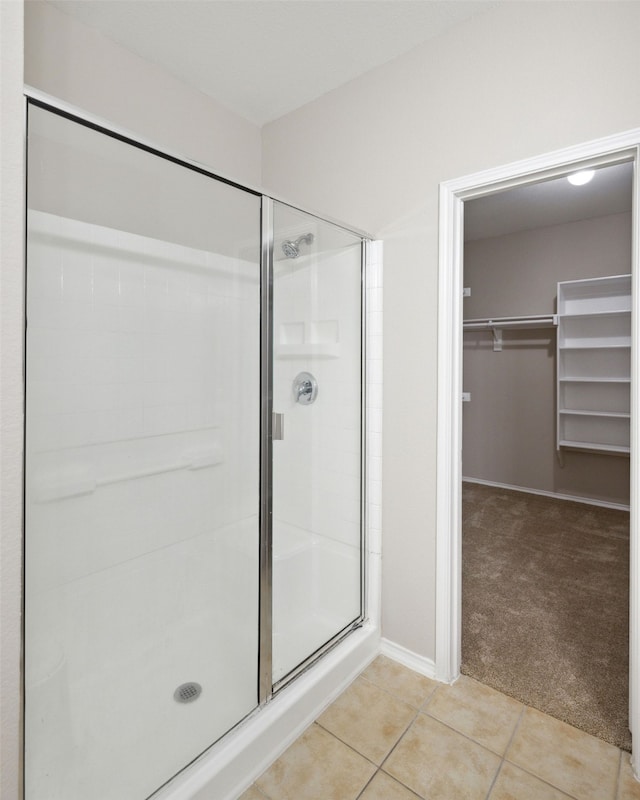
<point>305,388</point>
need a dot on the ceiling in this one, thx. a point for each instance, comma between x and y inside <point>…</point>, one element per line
<point>265,58</point>
<point>553,202</point>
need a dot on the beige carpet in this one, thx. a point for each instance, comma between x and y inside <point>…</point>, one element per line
<point>545,604</point>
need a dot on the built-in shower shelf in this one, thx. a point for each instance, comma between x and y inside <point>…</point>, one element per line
<point>319,350</point>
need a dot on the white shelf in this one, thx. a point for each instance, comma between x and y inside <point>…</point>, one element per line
<point>584,413</point>
<point>311,350</point>
<point>594,364</point>
<point>598,314</point>
<point>595,295</point>
<point>595,380</point>
<point>619,449</point>
<point>594,346</point>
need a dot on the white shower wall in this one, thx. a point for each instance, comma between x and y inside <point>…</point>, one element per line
<point>319,485</point>
<point>317,464</point>
<point>142,505</point>
<point>132,383</point>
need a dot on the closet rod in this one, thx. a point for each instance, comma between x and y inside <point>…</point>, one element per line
<point>497,324</point>
<point>533,321</point>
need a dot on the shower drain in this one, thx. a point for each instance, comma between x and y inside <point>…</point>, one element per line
<point>187,692</point>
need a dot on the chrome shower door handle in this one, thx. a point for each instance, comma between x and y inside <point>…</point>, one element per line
<point>277,426</point>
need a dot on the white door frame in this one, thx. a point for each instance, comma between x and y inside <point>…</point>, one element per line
<point>606,151</point>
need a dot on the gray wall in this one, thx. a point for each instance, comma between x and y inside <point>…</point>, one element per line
<point>77,64</point>
<point>509,425</point>
<point>518,81</point>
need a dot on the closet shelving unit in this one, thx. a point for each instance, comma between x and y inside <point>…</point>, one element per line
<point>594,364</point>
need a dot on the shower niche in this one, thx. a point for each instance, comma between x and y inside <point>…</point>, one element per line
<point>181,566</point>
<point>317,339</point>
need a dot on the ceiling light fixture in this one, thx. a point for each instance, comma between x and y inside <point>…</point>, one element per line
<point>582,177</point>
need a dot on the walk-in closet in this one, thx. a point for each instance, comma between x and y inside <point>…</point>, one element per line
<point>546,431</point>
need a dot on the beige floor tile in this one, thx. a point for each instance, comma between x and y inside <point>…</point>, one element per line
<point>440,764</point>
<point>487,716</point>
<point>384,787</point>
<point>404,683</point>
<point>316,767</point>
<point>628,786</point>
<point>515,784</point>
<point>253,794</point>
<point>577,763</point>
<point>368,719</point>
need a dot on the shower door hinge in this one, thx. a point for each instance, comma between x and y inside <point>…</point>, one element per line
<point>277,426</point>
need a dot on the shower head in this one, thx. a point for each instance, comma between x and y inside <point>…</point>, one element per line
<point>292,249</point>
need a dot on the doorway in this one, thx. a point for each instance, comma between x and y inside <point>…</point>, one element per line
<point>609,151</point>
<point>545,494</point>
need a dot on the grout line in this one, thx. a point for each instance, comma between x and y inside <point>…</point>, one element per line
<point>404,786</point>
<point>364,788</point>
<point>400,738</point>
<point>495,778</point>
<point>464,735</point>
<point>391,777</point>
<point>619,776</point>
<point>525,769</point>
<point>415,709</point>
<point>428,700</point>
<point>515,730</point>
<point>346,744</point>
<point>543,780</point>
<point>377,766</point>
<point>506,750</point>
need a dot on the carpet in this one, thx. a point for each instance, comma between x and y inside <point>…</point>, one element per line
<point>545,605</point>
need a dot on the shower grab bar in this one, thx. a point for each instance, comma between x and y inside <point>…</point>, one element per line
<point>147,473</point>
<point>83,482</point>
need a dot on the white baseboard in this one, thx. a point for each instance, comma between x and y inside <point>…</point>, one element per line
<point>573,498</point>
<point>421,664</point>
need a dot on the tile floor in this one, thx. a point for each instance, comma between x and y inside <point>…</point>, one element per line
<point>395,735</point>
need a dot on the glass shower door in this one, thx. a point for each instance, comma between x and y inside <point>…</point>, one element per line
<point>317,446</point>
<point>142,463</point>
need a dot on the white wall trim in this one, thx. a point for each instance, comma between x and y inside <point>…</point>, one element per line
<point>555,495</point>
<point>12,220</point>
<point>418,663</point>
<point>605,151</point>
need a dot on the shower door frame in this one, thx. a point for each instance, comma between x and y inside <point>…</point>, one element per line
<point>266,689</point>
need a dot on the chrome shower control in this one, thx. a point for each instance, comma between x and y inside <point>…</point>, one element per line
<point>305,388</point>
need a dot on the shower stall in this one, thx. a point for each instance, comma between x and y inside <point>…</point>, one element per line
<point>195,471</point>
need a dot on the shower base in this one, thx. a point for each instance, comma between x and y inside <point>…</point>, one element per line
<point>232,765</point>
